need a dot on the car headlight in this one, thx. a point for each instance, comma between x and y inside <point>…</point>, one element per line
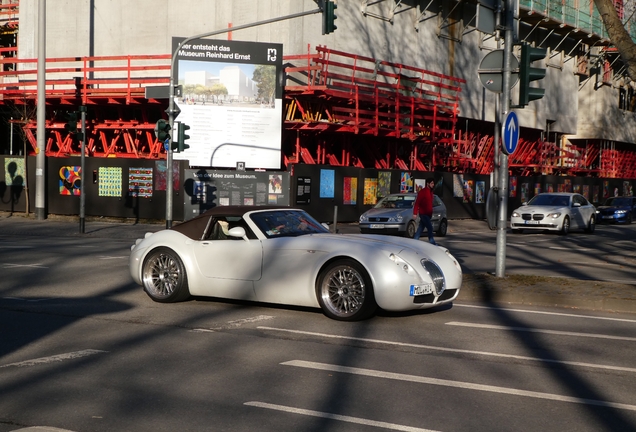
<point>397,218</point>
<point>401,263</point>
<point>516,214</point>
<point>363,218</point>
<point>554,215</point>
<point>621,211</point>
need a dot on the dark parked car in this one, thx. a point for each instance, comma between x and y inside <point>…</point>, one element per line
<point>617,210</point>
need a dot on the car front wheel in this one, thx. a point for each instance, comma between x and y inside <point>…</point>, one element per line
<point>591,226</point>
<point>410,229</point>
<point>565,229</point>
<point>443,228</point>
<point>344,291</point>
<point>164,277</point>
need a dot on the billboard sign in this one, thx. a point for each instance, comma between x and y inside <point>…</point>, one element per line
<point>233,101</point>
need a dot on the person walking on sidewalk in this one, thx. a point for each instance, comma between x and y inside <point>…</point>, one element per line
<point>423,208</point>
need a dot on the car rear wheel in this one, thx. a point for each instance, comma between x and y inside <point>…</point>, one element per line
<point>410,229</point>
<point>443,228</point>
<point>344,291</point>
<point>591,226</point>
<point>164,277</point>
<point>565,229</point>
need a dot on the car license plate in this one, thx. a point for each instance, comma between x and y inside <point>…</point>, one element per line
<point>608,217</point>
<point>417,290</point>
<point>532,222</point>
<point>377,226</point>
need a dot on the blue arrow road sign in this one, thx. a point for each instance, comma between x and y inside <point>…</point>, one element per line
<point>510,133</point>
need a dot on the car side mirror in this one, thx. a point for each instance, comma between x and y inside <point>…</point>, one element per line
<point>237,232</point>
<point>576,205</point>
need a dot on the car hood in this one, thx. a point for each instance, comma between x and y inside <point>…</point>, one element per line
<point>541,209</point>
<point>386,212</point>
<point>617,207</point>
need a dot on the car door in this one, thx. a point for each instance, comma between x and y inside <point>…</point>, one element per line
<point>229,266</point>
<point>581,211</point>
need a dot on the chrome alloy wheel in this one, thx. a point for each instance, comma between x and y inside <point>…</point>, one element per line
<point>344,292</point>
<point>164,277</point>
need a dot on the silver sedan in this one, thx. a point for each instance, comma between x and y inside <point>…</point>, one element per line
<point>560,211</point>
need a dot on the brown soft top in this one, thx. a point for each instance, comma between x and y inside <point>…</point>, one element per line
<point>195,227</point>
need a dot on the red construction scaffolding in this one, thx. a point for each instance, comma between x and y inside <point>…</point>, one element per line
<point>341,109</point>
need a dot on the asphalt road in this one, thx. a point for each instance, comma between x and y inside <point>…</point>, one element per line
<point>84,349</point>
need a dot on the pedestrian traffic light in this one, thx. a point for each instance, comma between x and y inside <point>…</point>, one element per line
<point>182,137</point>
<point>328,17</point>
<point>527,74</point>
<point>162,129</point>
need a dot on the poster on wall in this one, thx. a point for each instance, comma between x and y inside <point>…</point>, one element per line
<point>606,192</point>
<point>586,192</point>
<point>350,191</point>
<point>161,182</point>
<point>419,184</point>
<point>303,190</point>
<point>206,188</point>
<point>109,180</point>
<point>627,189</point>
<point>14,172</point>
<point>327,179</point>
<point>458,186</point>
<point>525,189</point>
<point>468,191</point>
<point>70,180</point>
<point>370,191</point>
<point>232,99</point>
<point>480,191</point>
<point>406,182</point>
<point>384,183</point>
<point>596,190</point>
<point>512,187</point>
<point>537,188</point>
<point>577,188</point>
<point>140,182</point>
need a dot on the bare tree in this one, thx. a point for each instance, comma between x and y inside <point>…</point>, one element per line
<point>618,35</point>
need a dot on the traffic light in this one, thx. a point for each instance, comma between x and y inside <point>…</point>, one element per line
<point>162,129</point>
<point>527,74</point>
<point>182,137</point>
<point>328,17</point>
<point>71,125</point>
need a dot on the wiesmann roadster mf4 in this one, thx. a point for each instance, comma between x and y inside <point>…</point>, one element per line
<point>285,256</point>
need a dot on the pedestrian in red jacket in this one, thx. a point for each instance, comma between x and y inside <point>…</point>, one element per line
<point>423,208</point>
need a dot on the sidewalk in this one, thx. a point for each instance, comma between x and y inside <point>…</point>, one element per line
<point>483,288</point>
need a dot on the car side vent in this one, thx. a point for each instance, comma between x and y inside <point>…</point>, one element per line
<point>436,275</point>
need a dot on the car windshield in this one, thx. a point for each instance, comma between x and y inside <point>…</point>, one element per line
<point>396,201</point>
<point>287,223</point>
<point>550,200</point>
<point>618,201</point>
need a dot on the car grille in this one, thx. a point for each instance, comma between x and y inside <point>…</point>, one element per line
<point>378,219</point>
<point>436,275</point>
<point>532,216</point>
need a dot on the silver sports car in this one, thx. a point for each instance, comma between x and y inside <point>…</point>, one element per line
<point>284,256</point>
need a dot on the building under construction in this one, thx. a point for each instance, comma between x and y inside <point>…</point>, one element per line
<point>351,99</point>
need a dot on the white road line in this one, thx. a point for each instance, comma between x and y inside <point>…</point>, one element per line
<point>10,265</point>
<point>355,420</point>
<point>455,350</point>
<point>532,330</point>
<point>236,324</point>
<point>545,313</point>
<point>55,358</point>
<point>456,384</point>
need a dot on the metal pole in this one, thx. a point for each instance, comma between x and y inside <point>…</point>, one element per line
<point>40,159</point>
<point>171,107</point>
<point>502,222</point>
<point>83,170</point>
